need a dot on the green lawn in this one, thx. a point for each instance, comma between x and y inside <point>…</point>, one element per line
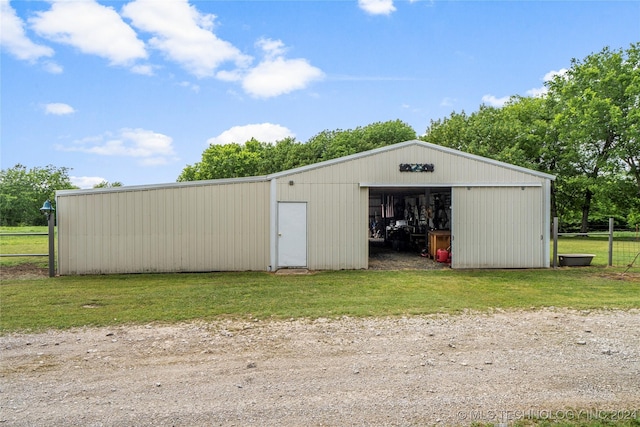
<point>24,245</point>
<point>625,247</point>
<point>63,302</point>
<point>70,301</point>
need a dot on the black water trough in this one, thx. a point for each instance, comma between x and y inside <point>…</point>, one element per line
<point>575,260</point>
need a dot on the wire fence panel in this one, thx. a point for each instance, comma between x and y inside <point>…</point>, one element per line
<point>604,245</point>
<point>626,247</point>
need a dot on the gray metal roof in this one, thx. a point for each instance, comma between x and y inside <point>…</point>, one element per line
<point>165,185</point>
<point>326,163</point>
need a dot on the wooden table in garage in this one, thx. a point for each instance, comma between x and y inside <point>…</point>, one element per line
<point>438,239</point>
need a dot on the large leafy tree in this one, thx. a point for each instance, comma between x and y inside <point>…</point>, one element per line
<point>597,119</point>
<point>284,155</point>
<point>519,133</point>
<point>22,192</point>
<point>254,158</point>
<point>338,143</point>
<point>585,131</point>
<point>226,161</point>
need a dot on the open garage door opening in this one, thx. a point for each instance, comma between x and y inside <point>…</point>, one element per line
<point>408,226</point>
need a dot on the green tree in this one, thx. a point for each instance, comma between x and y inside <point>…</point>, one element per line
<point>22,192</point>
<point>519,133</point>
<point>226,161</point>
<point>584,131</point>
<point>597,119</point>
<point>338,143</point>
<point>107,184</point>
<point>254,158</point>
<point>284,155</point>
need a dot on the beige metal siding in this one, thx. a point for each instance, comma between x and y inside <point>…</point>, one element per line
<point>383,168</point>
<point>338,208</point>
<point>497,227</point>
<point>337,228</point>
<point>228,225</point>
<point>193,228</point>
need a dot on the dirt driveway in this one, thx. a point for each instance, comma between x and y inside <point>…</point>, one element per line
<point>445,370</point>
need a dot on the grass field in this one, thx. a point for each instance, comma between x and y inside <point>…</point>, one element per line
<point>63,302</point>
<point>24,245</point>
<point>625,247</point>
<point>57,303</point>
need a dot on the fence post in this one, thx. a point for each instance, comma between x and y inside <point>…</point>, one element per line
<point>555,242</point>
<point>52,257</point>
<point>49,210</point>
<point>610,242</point>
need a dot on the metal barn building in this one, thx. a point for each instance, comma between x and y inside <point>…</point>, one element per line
<point>319,217</point>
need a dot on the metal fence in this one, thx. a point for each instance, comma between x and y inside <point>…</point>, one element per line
<point>50,254</point>
<point>626,249</point>
<point>20,235</point>
<point>623,245</point>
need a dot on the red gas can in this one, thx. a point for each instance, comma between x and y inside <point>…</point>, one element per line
<point>442,255</point>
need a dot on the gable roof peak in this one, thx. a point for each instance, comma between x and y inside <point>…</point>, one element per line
<point>411,142</point>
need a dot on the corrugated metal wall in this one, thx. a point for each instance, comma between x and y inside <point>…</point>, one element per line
<point>497,227</point>
<point>383,168</point>
<point>222,227</point>
<point>226,226</point>
<point>338,206</point>
<point>337,230</point>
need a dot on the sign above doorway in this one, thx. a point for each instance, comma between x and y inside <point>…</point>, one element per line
<point>416,167</point>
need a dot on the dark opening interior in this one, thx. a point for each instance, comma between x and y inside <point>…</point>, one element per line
<point>407,226</point>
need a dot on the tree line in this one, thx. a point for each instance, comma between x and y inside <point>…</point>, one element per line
<point>584,129</point>
<point>255,158</point>
<point>23,192</point>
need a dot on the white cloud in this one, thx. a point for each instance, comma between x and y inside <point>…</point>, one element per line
<point>552,74</point>
<point>280,76</point>
<point>145,70</point>
<point>271,48</point>
<point>230,76</point>
<point>147,143</point>
<point>151,148</point>
<point>495,102</point>
<point>177,30</point>
<point>263,132</point>
<point>377,7</point>
<point>184,35</point>
<point>537,92</point>
<point>448,102</point>
<point>276,75</point>
<point>92,28</point>
<point>541,91</point>
<point>86,181</point>
<point>13,37</point>
<point>58,109</point>
<point>52,67</point>
<point>191,86</point>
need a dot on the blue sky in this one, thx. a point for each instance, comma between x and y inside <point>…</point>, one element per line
<point>133,91</point>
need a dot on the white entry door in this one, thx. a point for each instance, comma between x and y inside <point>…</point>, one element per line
<point>292,234</point>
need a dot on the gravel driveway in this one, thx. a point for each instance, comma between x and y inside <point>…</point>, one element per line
<point>445,370</point>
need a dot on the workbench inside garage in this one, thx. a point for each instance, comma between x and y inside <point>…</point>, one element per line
<point>438,239</point>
